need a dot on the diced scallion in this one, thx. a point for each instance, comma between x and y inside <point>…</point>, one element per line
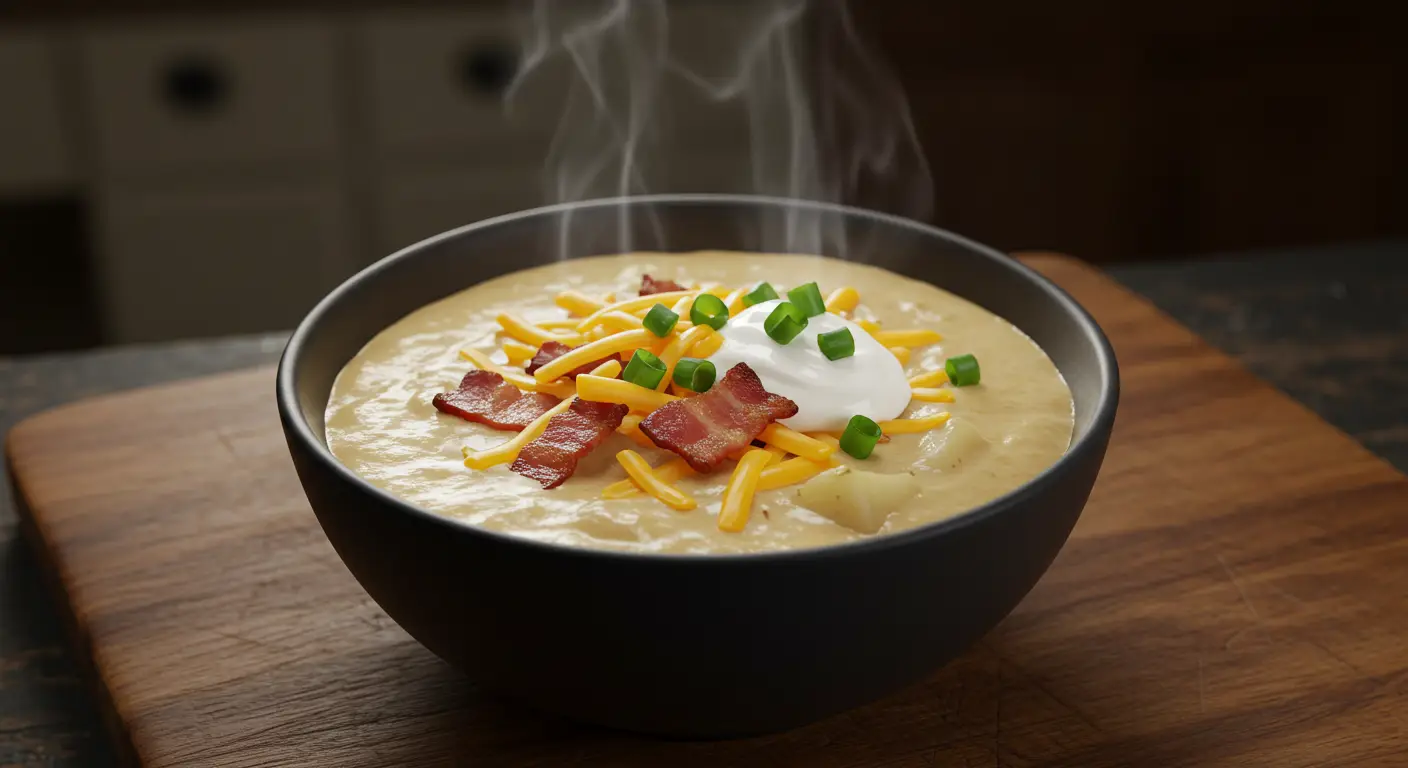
<point>709,310</point>
<point>836,344</point>
<point>963,370</point>
<point>808,299</point>
<point>644,370</point>
<point>860,437</point>
<point>764,292</point>
<point>784,323</point>
<point>694,374</point>
<point>660,320</point>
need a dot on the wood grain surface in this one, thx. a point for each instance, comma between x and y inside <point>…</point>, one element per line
<point>1233,595</point>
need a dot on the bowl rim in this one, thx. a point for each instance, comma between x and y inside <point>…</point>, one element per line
<point>296,427</point>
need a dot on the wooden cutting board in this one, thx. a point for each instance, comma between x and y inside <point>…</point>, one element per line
<point>1236,593</point>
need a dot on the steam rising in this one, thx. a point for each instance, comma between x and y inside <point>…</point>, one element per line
<point>822,118</point>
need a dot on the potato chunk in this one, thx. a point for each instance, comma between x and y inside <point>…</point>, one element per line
<point>855,498</point>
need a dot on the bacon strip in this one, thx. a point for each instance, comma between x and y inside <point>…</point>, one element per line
<point>705,429</point>
<point>551,350</point>
<point>570,435</point>
<point>484,397</point>
<point>650,285</point>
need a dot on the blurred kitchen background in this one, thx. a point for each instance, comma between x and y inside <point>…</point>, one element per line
<point>189,169</point>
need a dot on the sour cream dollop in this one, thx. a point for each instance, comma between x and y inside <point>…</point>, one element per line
<point>827,392</point>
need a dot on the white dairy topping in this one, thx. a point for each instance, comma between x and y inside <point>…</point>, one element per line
<point>827,392</point>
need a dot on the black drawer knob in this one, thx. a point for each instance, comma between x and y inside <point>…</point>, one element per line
<point>195,85</point>
<point>486,68</point>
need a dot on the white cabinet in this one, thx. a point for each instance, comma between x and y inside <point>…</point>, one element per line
<point>35,154</point>
<point>212,96</point>
<point>183,263</point>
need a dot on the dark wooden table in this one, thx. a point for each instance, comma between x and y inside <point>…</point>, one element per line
<point>1329,326</point>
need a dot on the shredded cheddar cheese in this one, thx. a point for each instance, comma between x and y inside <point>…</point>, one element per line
<point>516,378</point>
<point>528,333</point>
<point>929,379</point>
<point>708,345</point>
<point>518,353</point>
<point>793,441</point>
<point>901,354</point>
<point>778,454</point>
<point>557,325</point>
<point>917,337</point>
<point>912,425</point>
<point>669,472</point>
<point>791,472</point>
<point>578,303</point>
<point>630,306</point>
<point>680,346</point>
<point>608,370</point>
<point>843,300</point>
<point>931,394</point>
<point>630,427</point>
<point>643,476</point>
<point>616,322</point>
<point>738,494</point>
<point>871,327</point>
<point>595,350</point>
<point>506,452</point>
<point>600,390</point>
<point>734,301</point>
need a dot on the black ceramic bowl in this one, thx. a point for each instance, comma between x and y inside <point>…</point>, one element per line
<point>694,646</point>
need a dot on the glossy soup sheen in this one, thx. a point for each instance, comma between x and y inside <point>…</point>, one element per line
<point>381,424</point>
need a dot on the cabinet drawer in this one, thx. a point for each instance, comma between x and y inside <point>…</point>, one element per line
<point>178,264</point>
<point>168,99</point>
<point>34,154</point>
<point>436,83</point>
<point>414,206</point>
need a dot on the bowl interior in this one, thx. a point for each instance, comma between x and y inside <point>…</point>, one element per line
<point>383,293</point>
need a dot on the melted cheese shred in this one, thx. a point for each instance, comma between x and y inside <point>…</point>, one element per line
<point>669,472</point>
<point>602,390</point>
<point>918,337</point>
<point>644,477</point>
<point>738,494</point>
<point>843,300</point>
<point>633,305</point>
<point>578,303</point>
<point>792,441</point>
<point>611,345</point>
<point>529,333</point>
<point>929,379</point>
<point>506,452</point>
<point>932,395</point>
<point>913,425</point>
<point>520,380</point>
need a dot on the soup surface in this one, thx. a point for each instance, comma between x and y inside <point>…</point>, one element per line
<point>1001,433</point>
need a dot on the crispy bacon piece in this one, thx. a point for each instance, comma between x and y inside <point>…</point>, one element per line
<point>570,435</point>
<point>650,285</point>
<point>484,397</point>
<point>704,430</point>
<point>551,350</point>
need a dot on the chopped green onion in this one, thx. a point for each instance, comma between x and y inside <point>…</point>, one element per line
<point>709,310</point>
<point>764,292</point>
<point>963,370</point>
<point>694,374</point>
<point>660,320</point>
<point>808,299</point>
<point>644,370</point>
<point>836,344</point>
<point>860,436</point>
<point>784,323</point>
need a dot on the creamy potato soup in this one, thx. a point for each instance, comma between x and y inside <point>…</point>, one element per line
<point>763,390</point>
